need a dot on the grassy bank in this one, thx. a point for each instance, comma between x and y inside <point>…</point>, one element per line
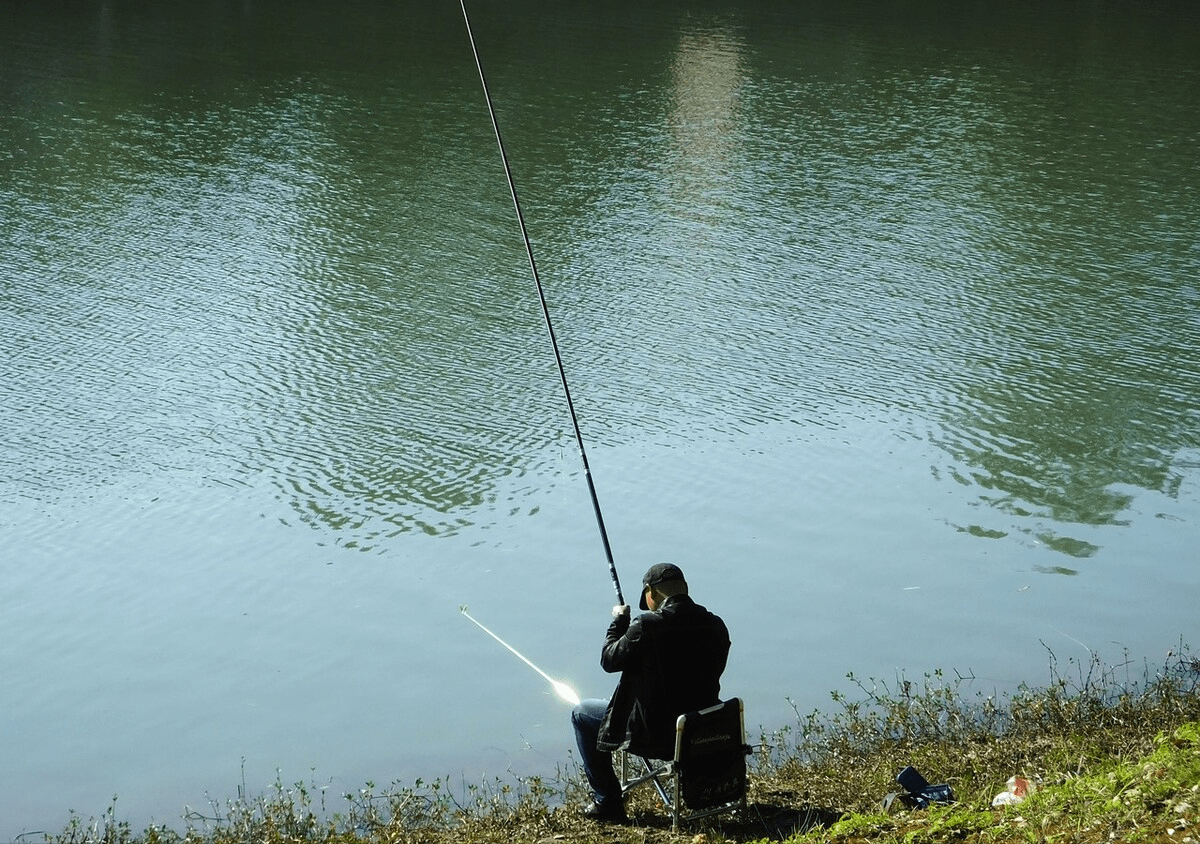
<point>1114,752</point>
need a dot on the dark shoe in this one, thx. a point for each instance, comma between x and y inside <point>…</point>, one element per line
<point>611,813</point>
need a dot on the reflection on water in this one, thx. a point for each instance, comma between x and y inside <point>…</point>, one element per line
<point>703,120</point>
<point>1057,420</point>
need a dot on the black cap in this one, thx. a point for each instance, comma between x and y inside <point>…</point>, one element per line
<point>658,573</point>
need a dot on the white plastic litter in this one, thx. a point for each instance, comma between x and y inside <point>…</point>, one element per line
<point>1018,788</point>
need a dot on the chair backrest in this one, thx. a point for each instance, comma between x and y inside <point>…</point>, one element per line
<point>710,753</point>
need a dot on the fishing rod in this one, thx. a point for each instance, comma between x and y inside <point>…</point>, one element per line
<point>562,373</point>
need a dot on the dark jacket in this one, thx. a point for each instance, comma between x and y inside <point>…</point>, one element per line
<point>670,663</point>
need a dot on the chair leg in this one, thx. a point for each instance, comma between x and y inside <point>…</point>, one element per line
<point>675,800</point>
<point>658,786</point>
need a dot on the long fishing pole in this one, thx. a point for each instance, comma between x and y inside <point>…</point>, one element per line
<point>562,373</point>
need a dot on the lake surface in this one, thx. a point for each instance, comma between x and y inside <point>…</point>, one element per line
<point>881,319</point>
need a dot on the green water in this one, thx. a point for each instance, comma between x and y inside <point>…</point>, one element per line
<point>881,319</point>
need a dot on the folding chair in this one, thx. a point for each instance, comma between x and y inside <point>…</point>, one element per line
<point>708,774</point>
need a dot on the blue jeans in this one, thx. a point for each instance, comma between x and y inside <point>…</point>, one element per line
<point>597,764</point>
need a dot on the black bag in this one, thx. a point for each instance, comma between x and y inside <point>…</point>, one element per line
<point>918,793</point>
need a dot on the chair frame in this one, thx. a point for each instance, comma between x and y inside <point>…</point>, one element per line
<point>656,771</point>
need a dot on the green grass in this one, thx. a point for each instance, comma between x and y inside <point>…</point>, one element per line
<point>1115,751</point>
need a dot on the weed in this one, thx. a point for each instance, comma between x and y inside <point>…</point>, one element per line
<point>1116,749</point>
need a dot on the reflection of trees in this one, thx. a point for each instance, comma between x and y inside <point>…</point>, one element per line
<point>884,218</point>
<point>1058,427</point>
<point>1081,359</point>
<point>1004,225</point>
<point>411,368</point>
<point>1027,209</point>
<point>317,269</point>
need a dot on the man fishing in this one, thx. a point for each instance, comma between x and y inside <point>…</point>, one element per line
<point>670,659</point>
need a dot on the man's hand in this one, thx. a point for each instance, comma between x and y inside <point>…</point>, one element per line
<point>617,628</point>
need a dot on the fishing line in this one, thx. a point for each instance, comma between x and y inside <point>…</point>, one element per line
<point>560,688</point>
<point>562,373</point>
